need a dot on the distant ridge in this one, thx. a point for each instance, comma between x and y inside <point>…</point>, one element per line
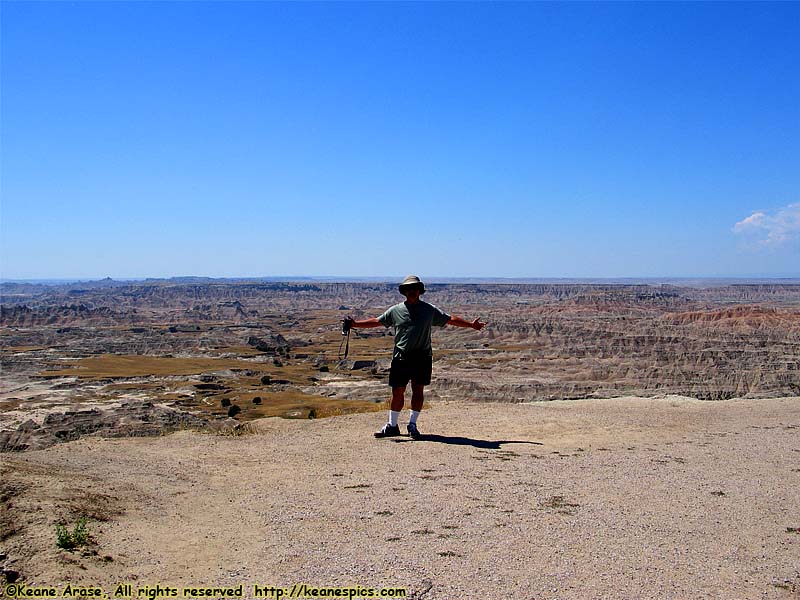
<point>695,282</point>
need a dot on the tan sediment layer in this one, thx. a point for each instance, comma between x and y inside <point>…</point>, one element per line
<point>623,498</point>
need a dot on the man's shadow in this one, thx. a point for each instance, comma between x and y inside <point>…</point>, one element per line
<point>464,441</point>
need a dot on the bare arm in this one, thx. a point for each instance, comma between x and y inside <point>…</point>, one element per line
<point>366,323</point>
<point>459,322</point>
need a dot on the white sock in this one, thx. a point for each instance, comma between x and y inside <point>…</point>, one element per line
<point>413,419</point>
<point>394,415</point>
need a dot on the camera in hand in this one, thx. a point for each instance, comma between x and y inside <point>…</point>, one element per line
<point>347,324</point>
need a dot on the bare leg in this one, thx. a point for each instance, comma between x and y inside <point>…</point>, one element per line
<point>417,396</point>
<point>398,398</point>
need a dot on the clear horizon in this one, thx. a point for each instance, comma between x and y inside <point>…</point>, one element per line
<point>476,140</point>
<point>393,279</point>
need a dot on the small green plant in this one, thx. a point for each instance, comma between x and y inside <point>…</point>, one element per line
<point>77,537</point>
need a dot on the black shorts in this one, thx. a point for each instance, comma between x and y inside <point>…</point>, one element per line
<point>416,369</point>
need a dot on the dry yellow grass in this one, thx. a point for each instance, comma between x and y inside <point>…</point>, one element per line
<point>22,348</point>
<point>241,350</point>
<point>241,390</point>
<point>120,366</point>
<point>288,403</point>
<point>240,387</point>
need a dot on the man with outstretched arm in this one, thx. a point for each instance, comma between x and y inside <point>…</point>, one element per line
<point>412,357</point>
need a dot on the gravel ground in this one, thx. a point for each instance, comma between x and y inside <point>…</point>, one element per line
<point>623,498</point>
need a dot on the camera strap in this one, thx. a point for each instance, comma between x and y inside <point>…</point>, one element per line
<point>346,343</point>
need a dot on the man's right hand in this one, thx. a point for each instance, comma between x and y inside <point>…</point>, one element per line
<point>347,324</point>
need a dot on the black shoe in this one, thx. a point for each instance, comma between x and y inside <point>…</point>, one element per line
<point>413,431</point>
<point>388,431</point>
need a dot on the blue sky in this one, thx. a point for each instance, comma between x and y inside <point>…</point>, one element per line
<point>378,139</point>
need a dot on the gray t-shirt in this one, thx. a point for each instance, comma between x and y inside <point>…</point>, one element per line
<point>412,324</point>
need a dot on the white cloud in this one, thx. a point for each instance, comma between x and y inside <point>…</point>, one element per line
<point>773,229</point>
<point>753,221</point>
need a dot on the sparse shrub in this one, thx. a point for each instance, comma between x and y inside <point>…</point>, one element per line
<point>225,402</point>
<point>72,539</point>
<point>266,380</point>
<point>257,400</point>
<point>63,537</point>
<point>234,410</point>
<point>80,535</point>
<point>324,369</point>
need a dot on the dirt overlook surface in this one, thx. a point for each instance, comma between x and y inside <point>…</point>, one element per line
<point>622,498</point>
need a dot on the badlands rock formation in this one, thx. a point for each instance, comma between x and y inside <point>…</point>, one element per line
<point>209,348</point>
